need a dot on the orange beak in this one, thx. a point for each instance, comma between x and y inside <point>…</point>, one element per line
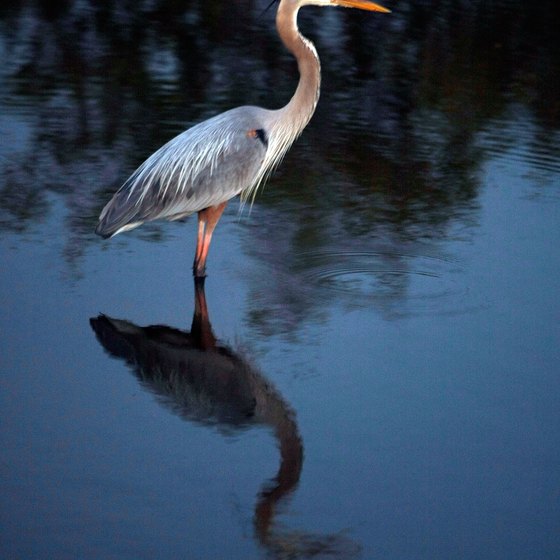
<point>361,5</point>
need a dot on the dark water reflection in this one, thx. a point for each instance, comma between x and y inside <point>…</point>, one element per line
<point>204,381</point>
<point>396,282</point>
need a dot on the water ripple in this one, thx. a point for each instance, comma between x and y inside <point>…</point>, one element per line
<point>405,283</point>
<point>518,139</point>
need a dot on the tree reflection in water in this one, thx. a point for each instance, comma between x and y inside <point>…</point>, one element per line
<point>204,381</point>
<point>412,107</point>
<point>91,88</point>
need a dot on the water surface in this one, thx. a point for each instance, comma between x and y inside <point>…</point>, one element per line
<point>376,375</point>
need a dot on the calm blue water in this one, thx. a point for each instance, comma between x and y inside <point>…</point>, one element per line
<point>386,378</point>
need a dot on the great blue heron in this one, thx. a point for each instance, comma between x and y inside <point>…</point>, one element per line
<point>229,154</point>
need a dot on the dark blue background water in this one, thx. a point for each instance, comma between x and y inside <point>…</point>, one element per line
<point>389,306</point>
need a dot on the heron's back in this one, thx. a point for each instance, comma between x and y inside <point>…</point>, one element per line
<point>204,166</point>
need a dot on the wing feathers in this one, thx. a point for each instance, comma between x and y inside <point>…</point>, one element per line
<point>204,166</point>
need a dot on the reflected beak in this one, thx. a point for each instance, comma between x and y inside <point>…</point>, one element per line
<point>361,5</point>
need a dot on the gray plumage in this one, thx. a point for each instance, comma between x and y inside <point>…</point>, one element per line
<point>188,173</point>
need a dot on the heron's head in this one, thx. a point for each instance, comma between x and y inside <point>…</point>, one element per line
<point>359,4</point>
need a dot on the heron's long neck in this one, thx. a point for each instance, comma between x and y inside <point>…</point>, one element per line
<point>286,124</point>
<point>302,105</point>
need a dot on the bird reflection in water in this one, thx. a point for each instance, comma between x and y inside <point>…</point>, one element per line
<point>206,382</point>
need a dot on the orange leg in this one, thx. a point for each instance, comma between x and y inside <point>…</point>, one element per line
<point>207,220</point>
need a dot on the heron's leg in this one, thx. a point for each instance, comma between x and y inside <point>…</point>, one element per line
<point>199,240</point>
<point>207,220</point>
